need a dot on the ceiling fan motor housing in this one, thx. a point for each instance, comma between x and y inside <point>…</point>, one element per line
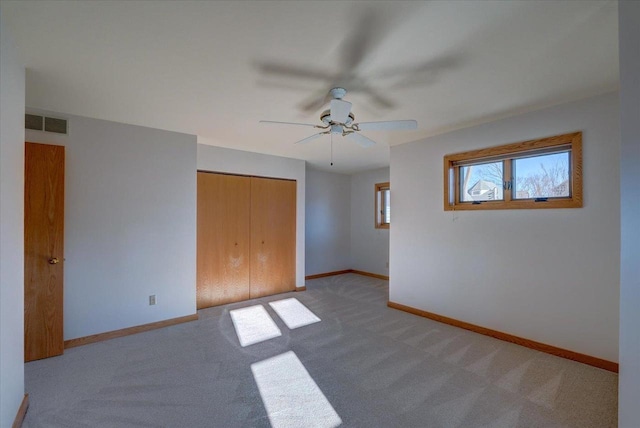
<point>325,117</point>
<point>338,93</point>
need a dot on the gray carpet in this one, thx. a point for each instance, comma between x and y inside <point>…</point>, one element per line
<point>377,367</point>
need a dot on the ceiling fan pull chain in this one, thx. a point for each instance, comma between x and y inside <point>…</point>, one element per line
<point>331,149</point>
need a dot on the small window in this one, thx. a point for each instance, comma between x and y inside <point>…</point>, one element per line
<point>544,173</point>
<point>383,206</point>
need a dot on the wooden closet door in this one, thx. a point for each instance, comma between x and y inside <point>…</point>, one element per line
<point>43,251</point>
<point>273,236</point>
<point>223,239</point>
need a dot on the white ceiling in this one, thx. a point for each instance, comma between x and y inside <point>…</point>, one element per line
<point>215,69</point>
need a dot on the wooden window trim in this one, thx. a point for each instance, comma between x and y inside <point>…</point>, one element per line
<point>507,152</point>
<point>377,214</point>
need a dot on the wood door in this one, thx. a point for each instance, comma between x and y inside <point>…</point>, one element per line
<point>43,251</point>
<point>273,236</point>
<point>223,248</point>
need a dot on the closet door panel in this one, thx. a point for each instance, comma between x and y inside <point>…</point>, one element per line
<point>223,239</point>
<point>273,236</point>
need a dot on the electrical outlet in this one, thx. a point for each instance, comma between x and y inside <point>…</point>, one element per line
<point>152,300</point>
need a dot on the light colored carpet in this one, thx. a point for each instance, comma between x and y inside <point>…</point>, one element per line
<point>376,366</point>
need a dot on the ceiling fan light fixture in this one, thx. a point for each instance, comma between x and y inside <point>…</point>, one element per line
<point>336,129</point>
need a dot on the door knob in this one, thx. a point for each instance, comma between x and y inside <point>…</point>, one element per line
<point>54,261</point>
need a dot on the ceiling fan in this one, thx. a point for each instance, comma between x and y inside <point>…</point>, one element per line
<point>339,119</point>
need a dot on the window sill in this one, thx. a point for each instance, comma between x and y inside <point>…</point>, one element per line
<point>515,205</point>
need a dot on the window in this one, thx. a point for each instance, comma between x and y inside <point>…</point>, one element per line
<point>383,206</point>
<point>544,173</point>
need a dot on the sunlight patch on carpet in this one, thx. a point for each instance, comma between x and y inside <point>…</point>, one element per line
<point>253,325</point>
<point>290,396</point>
<point>293,313</point>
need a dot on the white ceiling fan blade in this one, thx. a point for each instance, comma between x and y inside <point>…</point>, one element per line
<point>392,125</point>
<point>361,139</point>
<point>290,123</point>
<point>340,110</point>
<point>313,137</point>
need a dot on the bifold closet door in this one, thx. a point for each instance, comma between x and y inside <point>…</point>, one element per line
<point>273,236</point>
<point>223,239</point>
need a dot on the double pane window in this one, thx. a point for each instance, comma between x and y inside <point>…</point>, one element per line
<point>544,173</point>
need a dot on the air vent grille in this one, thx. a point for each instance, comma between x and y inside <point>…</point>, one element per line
<point>59,126</point>
<point>32,121</point>
<point>47,124</point>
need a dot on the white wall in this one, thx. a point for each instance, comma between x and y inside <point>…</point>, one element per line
<point>328,222</point>
<point>629,394</point>
<point>130,224</point>
<point>12,87</point>
<point>546,275</point>
<point>369,246</point>
<point>219,159</point>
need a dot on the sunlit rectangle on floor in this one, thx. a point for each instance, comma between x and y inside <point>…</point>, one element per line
<point>293,313</point>
<point>253,325</point>
<point>290,396</point>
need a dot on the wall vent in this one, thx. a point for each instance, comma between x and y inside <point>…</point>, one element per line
<point>59,126</point>
<point>47,124</point>
<point>32,121</point>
